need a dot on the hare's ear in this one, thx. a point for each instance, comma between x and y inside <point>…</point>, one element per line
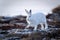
<point>26,11</point>
<point>30,11</point>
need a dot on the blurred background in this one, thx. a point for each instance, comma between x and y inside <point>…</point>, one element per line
<point>17,7</point>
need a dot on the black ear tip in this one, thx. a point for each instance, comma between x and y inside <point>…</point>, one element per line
<point>30,10</point>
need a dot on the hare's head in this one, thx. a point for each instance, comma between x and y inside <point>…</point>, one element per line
<point>28,12</point>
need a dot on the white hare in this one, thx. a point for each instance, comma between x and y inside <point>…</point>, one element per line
<point>35,19</point>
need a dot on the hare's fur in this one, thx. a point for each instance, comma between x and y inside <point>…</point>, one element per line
<point>35,19</point>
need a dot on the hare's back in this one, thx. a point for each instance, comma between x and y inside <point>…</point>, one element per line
<point>38,18</point>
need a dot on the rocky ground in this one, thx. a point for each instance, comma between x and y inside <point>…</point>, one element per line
<point>8,26</point>
<point>50,34</point>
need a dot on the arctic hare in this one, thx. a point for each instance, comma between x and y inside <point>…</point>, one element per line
<point>35,19</point>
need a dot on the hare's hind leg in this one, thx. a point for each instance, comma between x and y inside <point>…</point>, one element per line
<point>42,26</point>
<point>46,25</point>
<point>35,27</point>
